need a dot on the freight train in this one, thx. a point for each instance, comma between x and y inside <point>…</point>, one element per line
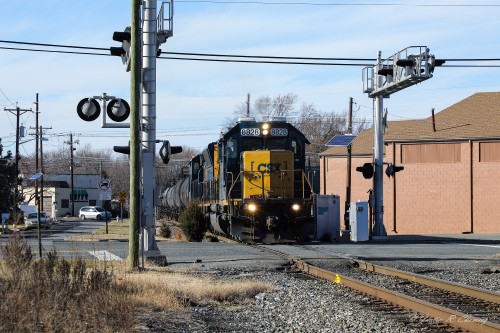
<point>252,184</point>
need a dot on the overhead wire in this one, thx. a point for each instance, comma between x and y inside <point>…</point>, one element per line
<point>237,58</point>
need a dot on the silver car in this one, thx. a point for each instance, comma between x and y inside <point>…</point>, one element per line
<point>93,212</point>
<point>31,220</point>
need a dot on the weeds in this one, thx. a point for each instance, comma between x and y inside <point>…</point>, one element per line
<point>59,295</point>
<point>52,295</point>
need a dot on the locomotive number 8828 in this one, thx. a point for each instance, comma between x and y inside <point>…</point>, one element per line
<point>251,184</point>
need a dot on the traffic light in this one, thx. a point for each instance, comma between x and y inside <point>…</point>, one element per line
<point>124,51</point>
<point>392,169</point>
<point>366,170</point>
<point>88,109</point>
<point>166,151</point>
<point>118,109</point>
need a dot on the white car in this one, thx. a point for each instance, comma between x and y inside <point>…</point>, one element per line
<point>93,212</point>
<point>31,220</point>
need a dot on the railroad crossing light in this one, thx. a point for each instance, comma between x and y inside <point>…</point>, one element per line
<point>124,51</point>
<point>366,170</point>
<point>118,109</point>
<point>166,151</point>
<point>433,62</point>
<point>122,149</point>
<point>392,169</point>
<point>88,109</point>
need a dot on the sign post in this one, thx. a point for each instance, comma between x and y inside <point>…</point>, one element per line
<point>105,194</point>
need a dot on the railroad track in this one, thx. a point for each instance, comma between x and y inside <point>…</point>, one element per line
<point>445,306</point>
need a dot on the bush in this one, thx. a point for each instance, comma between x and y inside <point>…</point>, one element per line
<point>164,230</point>
<point>192,223</point>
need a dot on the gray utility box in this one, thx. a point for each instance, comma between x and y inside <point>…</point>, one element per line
<point>327,216</point>
<point>358,219</point>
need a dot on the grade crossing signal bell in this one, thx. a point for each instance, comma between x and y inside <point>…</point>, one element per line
<point>124,51</point>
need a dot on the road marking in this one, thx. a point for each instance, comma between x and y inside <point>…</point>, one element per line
<point>495,246</point>
<point>104,255</point>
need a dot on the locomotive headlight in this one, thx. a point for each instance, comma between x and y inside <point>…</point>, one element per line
<point>295,207</point>
<point>265,129</point>
<point>252,207</point>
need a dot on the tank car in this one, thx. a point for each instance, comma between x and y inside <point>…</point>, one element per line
<point>252,183</point>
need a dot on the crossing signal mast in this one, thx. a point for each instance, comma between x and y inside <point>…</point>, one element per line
<point>403,69</point>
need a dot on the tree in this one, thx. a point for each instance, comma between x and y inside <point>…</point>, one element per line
<point>8,181</point>
<point>318,126</point>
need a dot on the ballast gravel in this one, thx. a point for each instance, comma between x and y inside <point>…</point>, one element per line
<point>297,303</point>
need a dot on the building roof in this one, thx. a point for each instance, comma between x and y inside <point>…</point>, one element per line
<point>476,117</point>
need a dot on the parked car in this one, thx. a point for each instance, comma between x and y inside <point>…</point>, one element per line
<point>31,220</point>
<point>93,212</point>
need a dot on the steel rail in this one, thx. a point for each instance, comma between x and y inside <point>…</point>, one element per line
<point>485,295</point>
<point>447,316</point>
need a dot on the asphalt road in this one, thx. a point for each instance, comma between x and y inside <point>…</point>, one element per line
<point>212,255</point>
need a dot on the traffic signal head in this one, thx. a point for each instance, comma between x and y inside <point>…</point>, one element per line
<point>88,109</point>
<point>366,170</point>
<point>124,51</point>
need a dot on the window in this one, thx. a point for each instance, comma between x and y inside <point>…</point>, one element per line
<point>431,153</point>
<point>489,151</point>
<point>64,203</point>
<point>232,149</point>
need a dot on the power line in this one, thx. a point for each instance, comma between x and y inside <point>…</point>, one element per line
<point>214,57</point>
<point>332,4</point>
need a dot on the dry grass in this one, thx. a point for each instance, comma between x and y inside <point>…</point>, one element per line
<point>174,290</point>
<point>59,295</point>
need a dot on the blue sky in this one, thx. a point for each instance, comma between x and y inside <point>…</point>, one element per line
<point>194,98</point>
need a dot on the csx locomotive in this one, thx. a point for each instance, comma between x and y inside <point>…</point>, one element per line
<point>251,184</point>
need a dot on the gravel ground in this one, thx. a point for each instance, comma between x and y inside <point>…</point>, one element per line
<point>298,303</point>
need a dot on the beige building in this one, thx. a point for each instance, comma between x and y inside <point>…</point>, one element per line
<point>57,198</point>
<point>451,177</point>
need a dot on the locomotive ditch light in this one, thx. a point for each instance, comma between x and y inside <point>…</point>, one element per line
<point>252,207</point>
<point>295,207</point>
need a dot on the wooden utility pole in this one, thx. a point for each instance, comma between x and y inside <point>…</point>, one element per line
<point>17,112</point>
<point>135,133</point>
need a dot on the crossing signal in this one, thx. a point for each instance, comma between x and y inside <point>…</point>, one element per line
<point>366,170</point>
<point>167,150</point>
<point>122,149</point>
<point>124,51</point>
<point>88,109</point>
<point>118,109</point>
<point>392,169</point>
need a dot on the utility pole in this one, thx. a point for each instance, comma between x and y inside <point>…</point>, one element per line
<point>36,144</point>
<point>17,112</point>
<point>349,159</point>
<point>41,162</point>
<point>71,168</point>
<point>135,123</point>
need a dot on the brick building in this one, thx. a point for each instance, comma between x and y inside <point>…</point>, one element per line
<point>451,177</point>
